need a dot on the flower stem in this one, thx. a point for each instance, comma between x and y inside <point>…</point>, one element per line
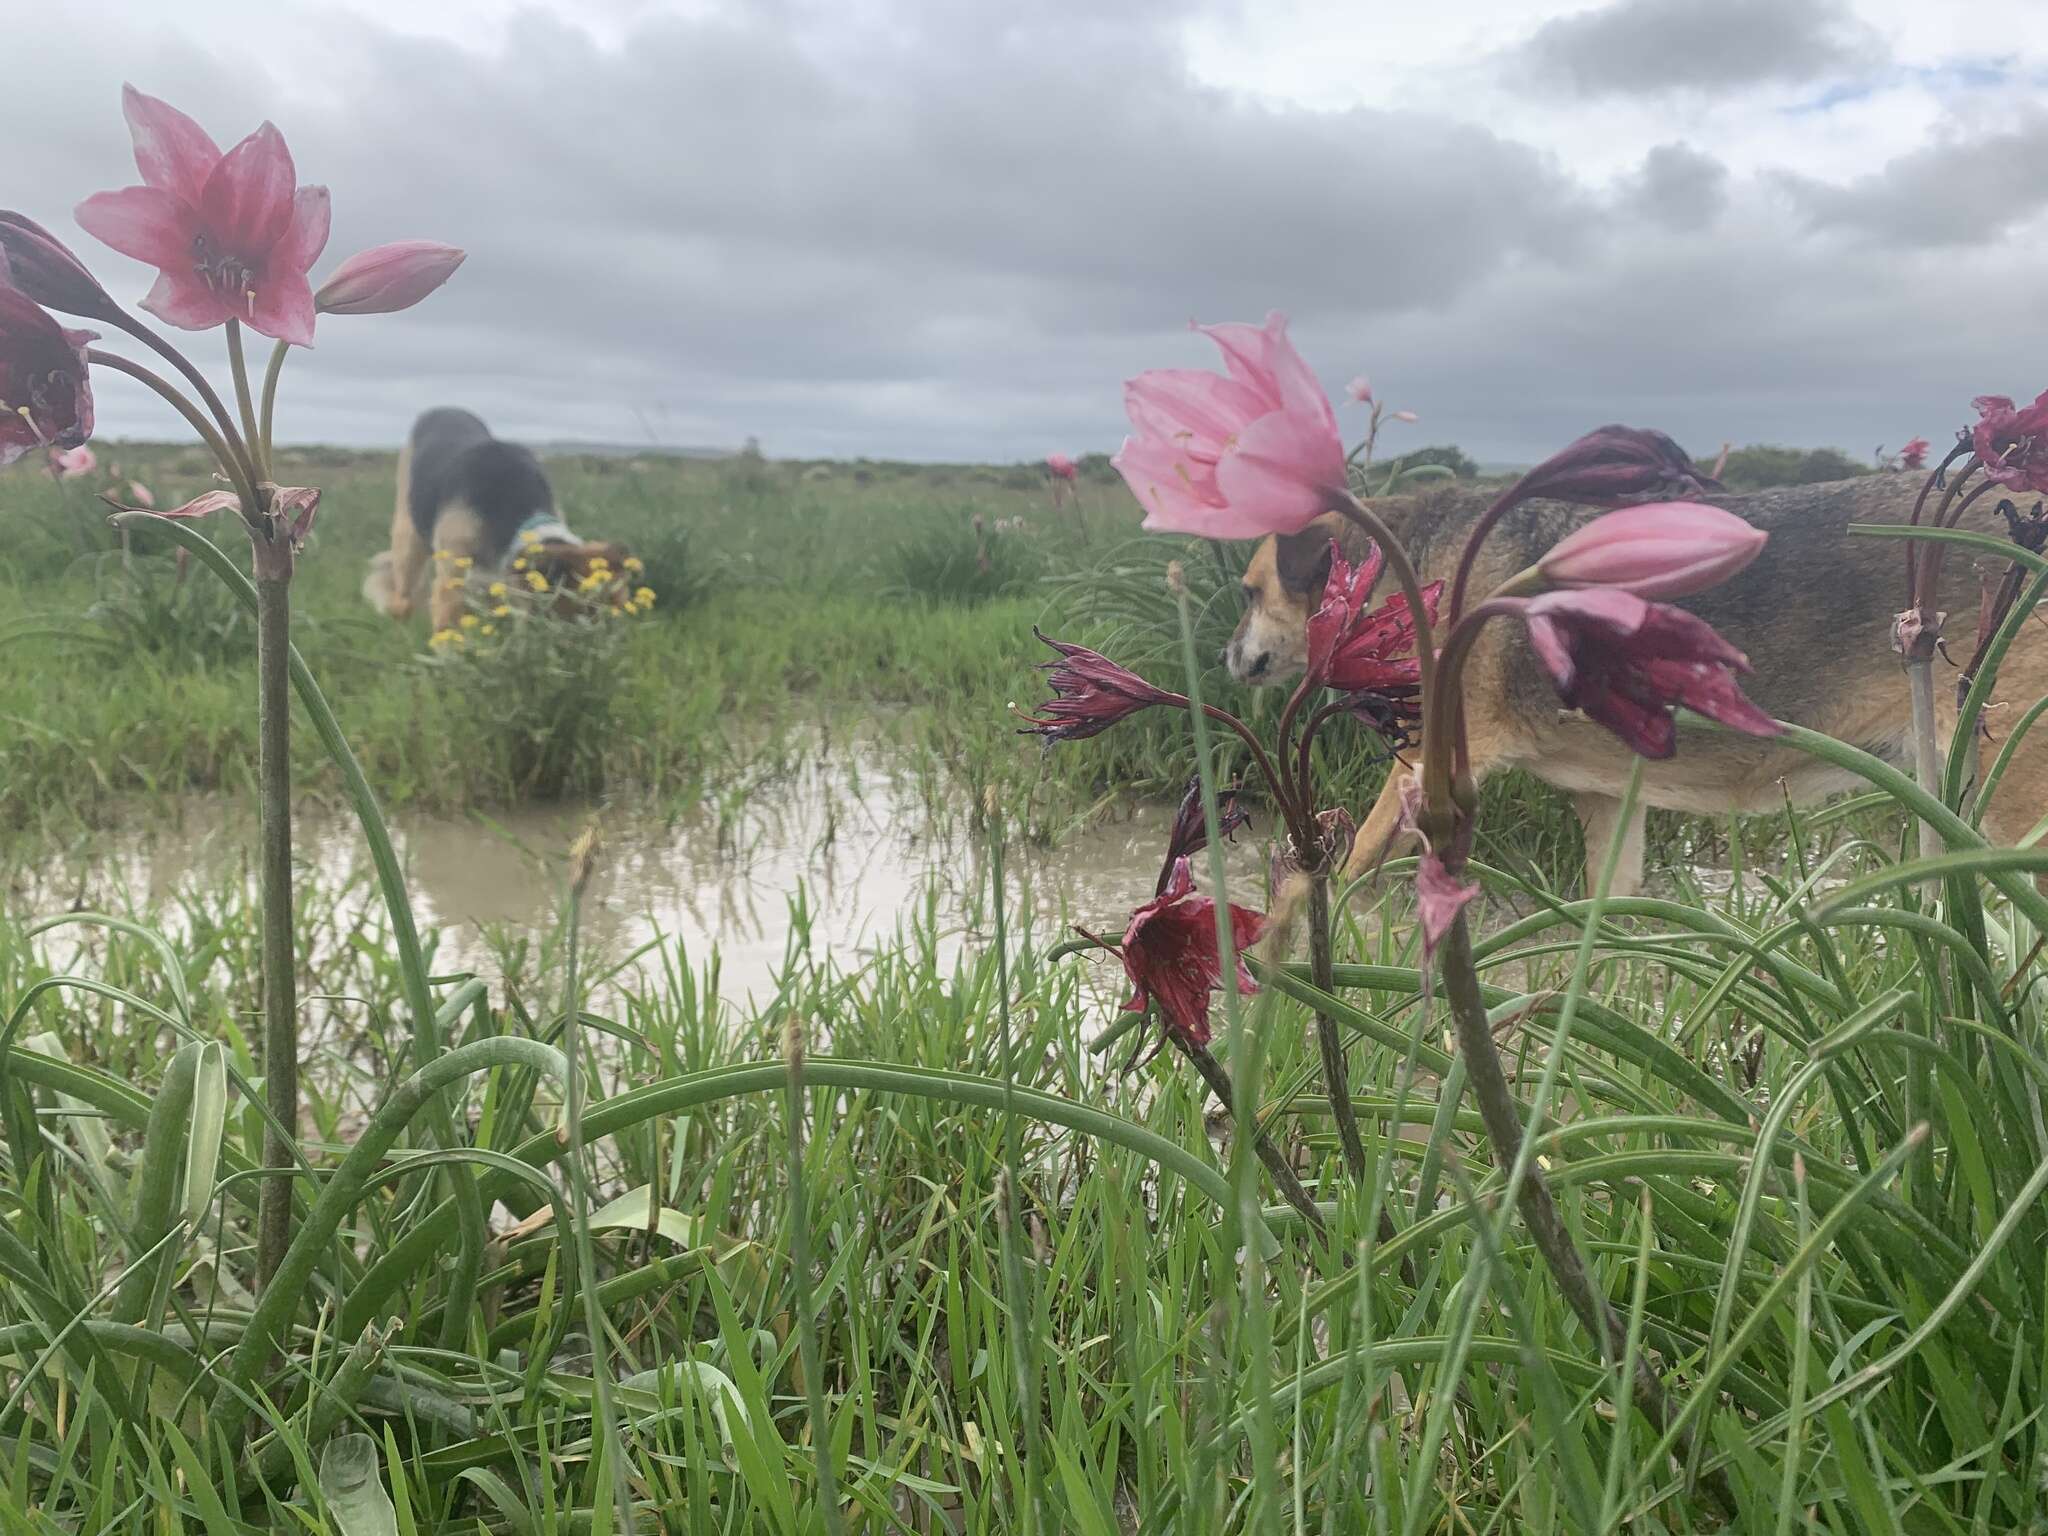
<point>269,409</point>
<point>280,978</point>
<point>238,365</point>
<point>1539,1211</point>
<point>230,462</point>
<point>1926,747</point>
<point>1284,1179</point>
<point>1336,1073</point>
<point>1469,556</point>
<point>234,453</point>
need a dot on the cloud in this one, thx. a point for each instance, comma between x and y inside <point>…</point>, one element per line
<point>1963,189</point>
<point>1678,187</point>
<point>1651,47</point>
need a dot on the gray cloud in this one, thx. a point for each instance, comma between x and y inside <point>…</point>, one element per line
<point>1648,47</point>
<point>1678,187</point>
<point>1961,190</point>
<point>953,235</point>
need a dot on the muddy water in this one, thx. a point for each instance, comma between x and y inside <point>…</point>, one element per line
<point>821,865</point>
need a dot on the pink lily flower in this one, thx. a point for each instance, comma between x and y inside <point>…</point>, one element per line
<point>387,278</point>
<point>1659,549</point>
<point>1234,457</point>
<point>231,235</point>
<point>142,495</point>
<point>67,463</point>
<point>1061,465</point>
<point>1914,454</point>
<point>1360,389</point>
<point>2013,443</point>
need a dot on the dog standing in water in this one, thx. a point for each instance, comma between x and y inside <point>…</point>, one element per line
<point>471,501</point>
<point>1813,614</point>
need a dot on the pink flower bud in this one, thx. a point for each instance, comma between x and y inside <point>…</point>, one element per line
<point>387,277</point>
<point>1408,416</point>
<point>1661,549</point>
<point>1360,389</point>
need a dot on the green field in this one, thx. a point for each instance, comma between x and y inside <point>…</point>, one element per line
<point>998,1282</point>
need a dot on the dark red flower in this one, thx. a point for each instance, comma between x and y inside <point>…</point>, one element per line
<point>1354,648</point>
<point>1627,662</point>
<point>2013,443</point>
<point>1190,834</point>
<point>1615,464</point>
<point>1090,694</point>
<point>1171,955</point>
<point>43,267</point>
<point>1914,454</point>
<point>45,394</point>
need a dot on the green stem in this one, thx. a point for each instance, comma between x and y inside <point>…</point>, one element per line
<point>238,366</point>
<point>794,1112</point>
<point>266,445</point>
<point>233,453</point>
<point>280,965</point>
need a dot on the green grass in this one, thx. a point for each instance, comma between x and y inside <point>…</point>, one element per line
<point>1854,1310</point>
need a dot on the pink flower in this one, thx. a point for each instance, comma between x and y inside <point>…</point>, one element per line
<point>1234,457</point>
<point>142,495</point>
<point>1407,416</point>
<point>232,235</point>
<point>1360,389</point>
<point>68,462</point>
<point>45,393</point>
<point>1170,954</point>
<point>1613,464</point>
<point>1627,662</point>
<point>1090,694</point>
<point>387,278</point>
<point>1061,465</point>
<point>42,267</point>
<point>2013,444</point>
<point>1658,549</point>
<point>1914,454</point>
<point>1439,897</point>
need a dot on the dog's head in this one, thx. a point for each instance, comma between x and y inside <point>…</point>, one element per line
<point>1282,586</point>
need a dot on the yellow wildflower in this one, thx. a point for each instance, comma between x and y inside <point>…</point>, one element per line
<point>535,580</point>
<point>497,589</point>
<point>528,537</point>
<point>632,563</point>
<point>644,597</point>
<point>488,629</point>
<point>442,554</point>
<point>463,562</point>
<point>442,637</point>
<point>469,621</point>
<point>501,611</point>
<point>519,564</point>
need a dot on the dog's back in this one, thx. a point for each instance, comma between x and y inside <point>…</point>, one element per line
<point>456,469</point>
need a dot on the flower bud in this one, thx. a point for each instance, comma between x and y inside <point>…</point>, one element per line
<point>387,277</point>
<point>1660,549</point>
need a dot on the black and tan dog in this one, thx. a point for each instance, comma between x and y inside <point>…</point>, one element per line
<point>1813,614</point>
<point>468,504</point>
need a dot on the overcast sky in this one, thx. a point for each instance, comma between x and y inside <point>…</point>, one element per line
<point>948,229</point>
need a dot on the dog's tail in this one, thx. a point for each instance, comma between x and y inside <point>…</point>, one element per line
<point>377,589</point>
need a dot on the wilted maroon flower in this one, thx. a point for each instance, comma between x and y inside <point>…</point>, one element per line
<point>1439,897</point>
<point>232,235</point>
<point>387,278</point>
<point>1190,834</point>
<point>292,509</point>
<point>2013,443</point>
<point>1626,662</point>
<point>45,393</point>
<point>42,266</point>
<point>1354,648</point>
<point>1090,694</point>
<point>1335,832</point>
<point>1614,464</point>
<point>203,505</point>
<point>1171,955</point>
<point>1394,712</point>
<point>1914,454</point>
<point>1661,549</point>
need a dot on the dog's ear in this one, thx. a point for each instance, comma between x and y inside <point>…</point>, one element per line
<point>1303,559</point>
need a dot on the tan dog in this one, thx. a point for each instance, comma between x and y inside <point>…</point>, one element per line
<point>473,503</point>
<point>1813,614</point>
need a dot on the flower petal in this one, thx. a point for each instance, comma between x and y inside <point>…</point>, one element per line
<point>284,309</point>
<point>1172,403</point>
<point>144,222</point>
<point>1282,473</point>
<point>1178,495</point>
<point>307,237</point>
<point>173,153</point>
<point>248,202</point>
<point>180,299</point>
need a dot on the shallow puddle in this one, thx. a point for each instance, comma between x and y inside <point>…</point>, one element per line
<point>826,863</point>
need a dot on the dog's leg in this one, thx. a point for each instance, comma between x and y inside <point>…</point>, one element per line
<point>458,534</point>
<point>1600,816</point>
<point>408,562</point>
<point>1381,831</point>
